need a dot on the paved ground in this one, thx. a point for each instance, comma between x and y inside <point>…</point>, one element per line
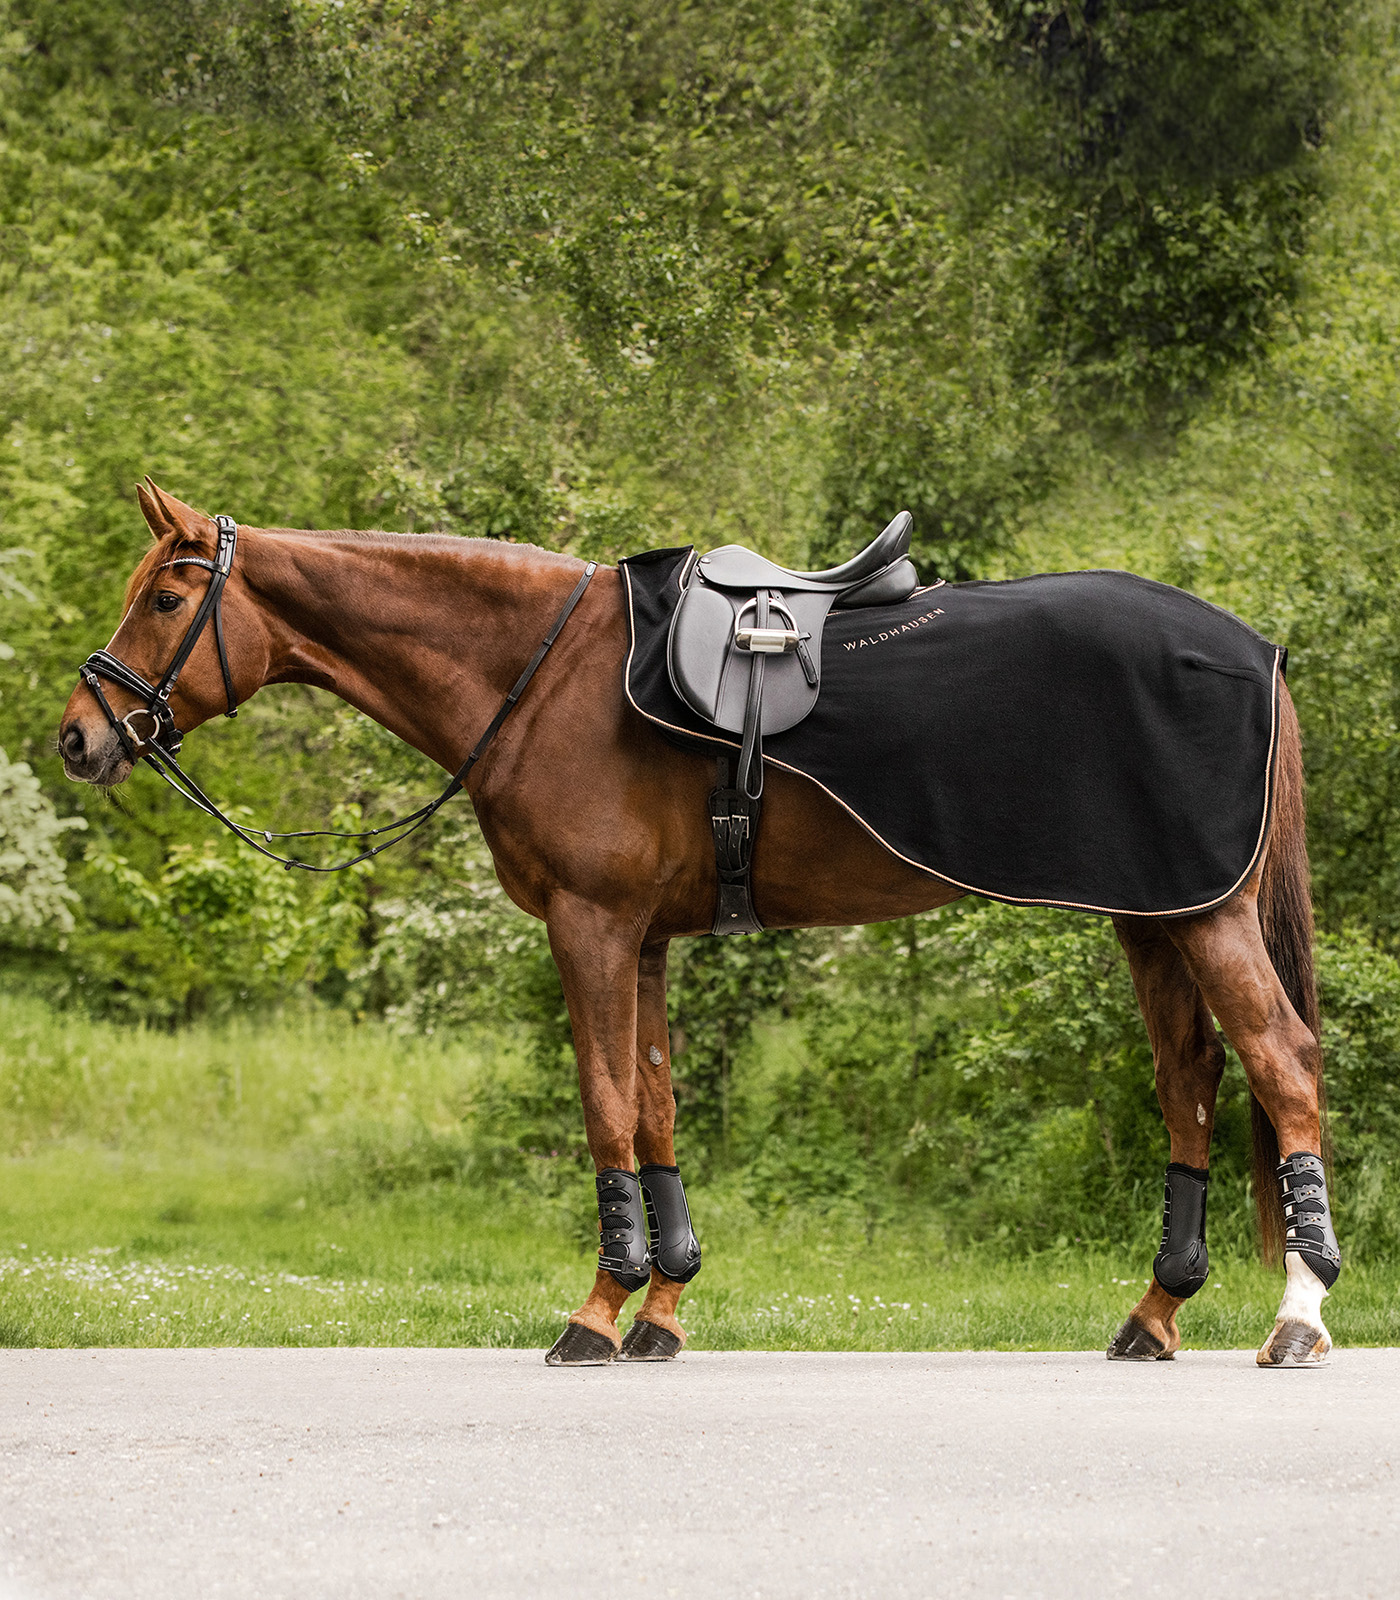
<point>171,1475</point>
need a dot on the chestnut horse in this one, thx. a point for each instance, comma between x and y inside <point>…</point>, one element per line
<point>601,828</point>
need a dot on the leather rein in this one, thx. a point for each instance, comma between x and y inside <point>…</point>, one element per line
<point>159,747</point>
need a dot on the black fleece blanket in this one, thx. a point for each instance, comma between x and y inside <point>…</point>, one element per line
<point>1083,739</point>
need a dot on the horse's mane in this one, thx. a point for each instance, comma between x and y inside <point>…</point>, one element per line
<point>164,550</point>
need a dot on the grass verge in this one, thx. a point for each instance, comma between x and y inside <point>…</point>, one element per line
<point>216,1248</point>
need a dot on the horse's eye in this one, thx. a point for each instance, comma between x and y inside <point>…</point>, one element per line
<point>165,601</point>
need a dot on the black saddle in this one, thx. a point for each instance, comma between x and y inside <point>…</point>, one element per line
<point>744,652</point>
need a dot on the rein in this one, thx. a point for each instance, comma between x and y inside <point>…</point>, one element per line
<point>160,747</point>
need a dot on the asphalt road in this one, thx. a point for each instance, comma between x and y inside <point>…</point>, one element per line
<point>170,1475</point>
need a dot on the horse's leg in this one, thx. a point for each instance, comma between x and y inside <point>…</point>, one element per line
<point>596,952</point>
<point>1188,1060</point>
<point>657,1335</point>
<point>1283,1062</point>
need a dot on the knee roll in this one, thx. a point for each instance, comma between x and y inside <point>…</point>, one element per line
<point>674,1247</point>
<point>1307,1218</point>
<point>1182,1264</point>
<point>622,1228</point>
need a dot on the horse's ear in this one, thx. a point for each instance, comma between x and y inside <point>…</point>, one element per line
<point>165,515</point>
<point>156,519</point>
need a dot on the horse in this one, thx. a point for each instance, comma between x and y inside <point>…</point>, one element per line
<point>599,827</point>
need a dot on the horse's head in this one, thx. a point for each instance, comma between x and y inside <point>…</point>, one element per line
<point>163,599</point>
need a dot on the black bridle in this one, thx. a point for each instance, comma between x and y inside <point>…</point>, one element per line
<point>164,735</point>
<point>159,747</point>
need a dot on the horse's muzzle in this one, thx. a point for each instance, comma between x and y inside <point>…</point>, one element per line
<point>92,753</point>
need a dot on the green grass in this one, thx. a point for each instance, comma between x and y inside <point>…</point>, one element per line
<point>110,1248</point>
<point>297,1077</point>
<point>309,1181</point>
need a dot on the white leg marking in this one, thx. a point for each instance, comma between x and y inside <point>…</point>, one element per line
<point>1299,1338</point>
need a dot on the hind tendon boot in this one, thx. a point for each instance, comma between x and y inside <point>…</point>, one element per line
<point>1307,1218</point>
<point>646,1342</point>
<point>1312,1260</point>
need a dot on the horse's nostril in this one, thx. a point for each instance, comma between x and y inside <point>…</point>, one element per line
<point>72,743</point>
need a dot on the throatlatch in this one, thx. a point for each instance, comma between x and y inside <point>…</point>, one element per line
<point>1307,1218</point>
<point>622,1224</point>
<point>674,1248</point>
<point>1182,1265</point>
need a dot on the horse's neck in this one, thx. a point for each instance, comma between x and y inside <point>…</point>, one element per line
<point>424,638</point>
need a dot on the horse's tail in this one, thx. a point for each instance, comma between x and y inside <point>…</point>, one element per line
<point>1285,915</point>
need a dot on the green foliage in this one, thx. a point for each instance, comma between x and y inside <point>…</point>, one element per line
<point>1360,993</point>
<point>990,1059</point>
<point>34,893</point>
<point>1182,137</point>
<point>207,1248</point>
<point>718,988</point>
<point>1091,284</point>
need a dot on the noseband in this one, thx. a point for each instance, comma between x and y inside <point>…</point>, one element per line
<point>161,746</point>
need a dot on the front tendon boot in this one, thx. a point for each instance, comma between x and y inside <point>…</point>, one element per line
<point>622,1254</point>
<point>675,1252</point>
<point>622,1226</point>
<point>1312,1260</point>
<point>1179,1268</point>
<point>674,1247</point>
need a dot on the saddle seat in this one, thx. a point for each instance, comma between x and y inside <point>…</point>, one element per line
<point>880,575</point>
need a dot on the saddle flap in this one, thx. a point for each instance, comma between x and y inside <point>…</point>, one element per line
<point>710,672</point>
<point>701,637</point>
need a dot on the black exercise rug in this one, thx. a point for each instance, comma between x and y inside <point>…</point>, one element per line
<point>1084,739</point>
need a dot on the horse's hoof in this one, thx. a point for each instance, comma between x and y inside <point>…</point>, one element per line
<point>1133,1342</point>
<point>1295,1344</point>
<point>647,1342</point>
<point>578,1346</point>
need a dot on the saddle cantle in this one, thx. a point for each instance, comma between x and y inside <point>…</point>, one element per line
<point>744,652</point>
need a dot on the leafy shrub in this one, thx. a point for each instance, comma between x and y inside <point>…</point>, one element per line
<point>34,895</point>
